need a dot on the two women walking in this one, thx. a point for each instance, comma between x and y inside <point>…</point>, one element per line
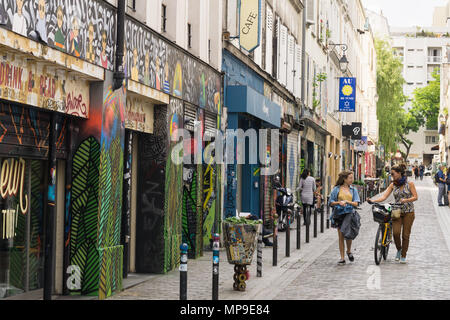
<point>344,199</point>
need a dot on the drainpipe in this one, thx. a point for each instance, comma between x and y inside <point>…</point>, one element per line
<point>303,55</point>
<point>119,74</point>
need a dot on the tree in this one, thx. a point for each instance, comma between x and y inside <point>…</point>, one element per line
<point>390,114</point>
<point>409,123</point>
<point>426,103</point>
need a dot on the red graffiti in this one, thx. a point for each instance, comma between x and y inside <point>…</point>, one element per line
<point>11,76</point>
<point>75,106</point>
<point>48,87</point>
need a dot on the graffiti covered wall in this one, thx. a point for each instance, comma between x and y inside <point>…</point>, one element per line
<point>82,28</point>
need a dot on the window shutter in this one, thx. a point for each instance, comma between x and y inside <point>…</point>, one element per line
<point>269,40</point>
<point>282,55</point>
<point>290,64</point>
<point>298,71</point>
<point>310,11</point>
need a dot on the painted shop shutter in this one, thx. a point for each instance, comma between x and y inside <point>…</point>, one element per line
<point>290,63</point>
<point>269,40</point>
<point>25,132</point>
<point>190,113</point>
<point>266,181</point>
<point>210,124</point>
<point>298,71</point>
<point>292,160</point>
<point>282,55</point>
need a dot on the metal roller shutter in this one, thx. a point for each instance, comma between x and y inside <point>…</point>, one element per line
<point>210,124</point>
<point>190,113</point>
<point>292,161</point>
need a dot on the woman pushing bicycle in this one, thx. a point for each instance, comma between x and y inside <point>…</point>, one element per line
<point>404,193</point>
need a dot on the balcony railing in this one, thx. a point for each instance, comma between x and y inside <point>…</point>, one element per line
<point>434,59</point>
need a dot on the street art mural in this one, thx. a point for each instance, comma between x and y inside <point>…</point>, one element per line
<point>162,66</point>
<point>173,194</point>
<point>209,200</point>
<point>82,28</point>
<point>111,188</point>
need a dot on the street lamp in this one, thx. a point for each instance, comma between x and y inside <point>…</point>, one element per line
<point>343,62</point>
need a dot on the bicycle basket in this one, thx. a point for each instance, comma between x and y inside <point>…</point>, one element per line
<point>380,216</point>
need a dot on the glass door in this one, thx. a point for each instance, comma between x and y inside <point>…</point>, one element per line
<point>22,225</point>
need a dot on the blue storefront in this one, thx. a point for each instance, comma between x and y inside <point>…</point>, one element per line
<point>248,108</point>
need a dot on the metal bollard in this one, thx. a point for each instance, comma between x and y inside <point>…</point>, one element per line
<point>275,241</point>
<point>315,223</point>
<point>288,237</point>
<point>308,222</point>
<point>215,277</point>
<point>183,271</point>
<point>321,219</point>
<point>299,227</point>
<point>259,255</point>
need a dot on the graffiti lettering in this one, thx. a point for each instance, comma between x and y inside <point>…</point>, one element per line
<point>12,181</point>
<point>75,105</point>
<point>11,76</point>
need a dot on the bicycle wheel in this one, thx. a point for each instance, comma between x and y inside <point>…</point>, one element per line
<point>379,249</point>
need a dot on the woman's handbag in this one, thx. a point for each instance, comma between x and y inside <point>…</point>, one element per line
<point>396,214</point>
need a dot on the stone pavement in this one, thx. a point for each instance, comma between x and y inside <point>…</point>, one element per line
<point>312,272</point>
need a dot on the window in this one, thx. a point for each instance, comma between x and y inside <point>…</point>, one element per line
<point>163,18</point>
<point>431,139</point>
<point>131,4</point>
<point>189,29</point>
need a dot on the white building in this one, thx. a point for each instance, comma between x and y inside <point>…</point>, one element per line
<point>420,55</point>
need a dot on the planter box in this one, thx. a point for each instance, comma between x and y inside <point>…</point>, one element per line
<point>240,242</point>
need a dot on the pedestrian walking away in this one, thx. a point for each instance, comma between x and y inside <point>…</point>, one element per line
<point>404,193</point>
<point>344,198</point>
<point>416,172</point>
<point>441,182</point>
<point>421,171</point>
<point>307,187</point>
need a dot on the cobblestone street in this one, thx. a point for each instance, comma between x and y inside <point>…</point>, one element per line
<point>313,273</point>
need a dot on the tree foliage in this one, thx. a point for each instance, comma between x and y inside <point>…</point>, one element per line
<point>426,103</point>
<point>391,116</point>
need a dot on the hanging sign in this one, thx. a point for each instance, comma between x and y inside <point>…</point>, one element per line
<point>249,24</point>
<point>347,94</point>
<point>361,145</point>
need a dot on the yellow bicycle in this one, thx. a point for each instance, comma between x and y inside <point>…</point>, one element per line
<point>382,213</point>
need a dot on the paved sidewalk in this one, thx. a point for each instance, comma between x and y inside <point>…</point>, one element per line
<point>200,271</point>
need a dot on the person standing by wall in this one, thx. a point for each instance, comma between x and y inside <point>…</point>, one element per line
<point>307,187</point>
<point>441,182</point>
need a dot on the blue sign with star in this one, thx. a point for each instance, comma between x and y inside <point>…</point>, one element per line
<point>347,94</point>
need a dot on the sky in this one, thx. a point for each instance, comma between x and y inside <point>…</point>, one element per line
<point>406,13</point>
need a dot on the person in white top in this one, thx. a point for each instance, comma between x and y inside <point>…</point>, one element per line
<point>307,187</point>
<point>19,24</point>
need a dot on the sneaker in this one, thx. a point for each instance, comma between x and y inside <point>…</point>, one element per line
<point>402,260</point>
<point>350,256</point>
<point>268,244</point>
<point>341,262</point>
<point>397,257</point>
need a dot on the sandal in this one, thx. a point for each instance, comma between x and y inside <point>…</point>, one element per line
<point>341,262</point>
<point>350,256</point>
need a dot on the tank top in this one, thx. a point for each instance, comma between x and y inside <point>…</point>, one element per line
<point>344,195</point>
<point>404,193</point>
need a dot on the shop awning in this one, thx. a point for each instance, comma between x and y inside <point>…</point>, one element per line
<point>247,100</point>
<point>435,148</point>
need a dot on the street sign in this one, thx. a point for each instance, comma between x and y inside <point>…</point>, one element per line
<point>249,24</point>
<point>347,94</point>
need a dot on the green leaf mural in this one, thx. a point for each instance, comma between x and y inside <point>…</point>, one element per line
<point>84,211</point>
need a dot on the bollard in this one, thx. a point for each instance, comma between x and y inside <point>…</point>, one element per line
<point>183,271</point>
<point>328,213</point>
<point>215,277</point>
<point>308,222</point>
<point>321,219</point>
<point>275,241</point>
<point>299,227</point>
<point>288,236</point>
<point>259,255</point>
<point>315,223</point>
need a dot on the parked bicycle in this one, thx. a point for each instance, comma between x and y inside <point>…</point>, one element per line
<point>382,213</point>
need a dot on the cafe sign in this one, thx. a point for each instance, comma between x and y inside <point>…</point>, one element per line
<point>249,24</point>
<point>40,85</point>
